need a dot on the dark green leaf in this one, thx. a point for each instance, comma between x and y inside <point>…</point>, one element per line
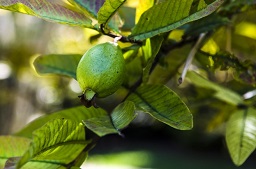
<point>108,10</point>
<point>121,117</point>
<point>127,14</point>
<point>173,14</point>
<point>59,141</point>
<point>150,51</point>
<point>57,64</point>
<point>241,135</point>
<point>206,24</point>
<point>90,7</point>
<point>164,105</point>
<point>75,114</point>
<point>48,10</point>
<point>221,93</point>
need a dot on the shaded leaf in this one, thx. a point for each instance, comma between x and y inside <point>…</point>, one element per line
<point>57,64</point>
<point>90,7</point>
<point>173,14</point>
<point>108,9</point>
<point>121,117</point>
<point>150,51</point>
<point>47,10</point>
<point>164,105</point>
<point>127,14</point>
<point>59,141</point>
<point>241,135</point>
<point>221,93</point>
<point>76,114</point>
<point>206,24</point>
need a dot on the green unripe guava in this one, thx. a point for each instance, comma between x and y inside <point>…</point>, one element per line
<point>101,70</point>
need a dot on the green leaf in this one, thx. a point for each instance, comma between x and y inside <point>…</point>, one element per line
<point>12,146</point>
<point>57,64</point>
<point>121,117</point>
<point>241,135</point>
<point>90,7</point>
<point>164,105</point>
<point>59,141</point>
<point>108,10</point>
<point>76,114</point>
<point>150,51</point>
<point>206,24</point>
<point>173,14</point>
<point>47,10</point>
<point>222,93</point>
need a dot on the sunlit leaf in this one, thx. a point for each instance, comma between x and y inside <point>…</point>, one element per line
<point>150,50</point>
<point>57,64</point>
<point>108,10</point>
<point>241,135</point>
<point>76,114</point>
<point>221,93</point>
<point>121,117</point>
<point>59,141</point>
<point>48,10</point>
<point>142,7</point>
<point>11,148</point>
<point>173,14</point>
<point>90,7</point>
<point>164,105</point>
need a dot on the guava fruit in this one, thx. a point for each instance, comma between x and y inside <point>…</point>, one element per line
<point>100,72</point>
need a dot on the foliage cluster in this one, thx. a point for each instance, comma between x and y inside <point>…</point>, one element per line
<point>157,38</point>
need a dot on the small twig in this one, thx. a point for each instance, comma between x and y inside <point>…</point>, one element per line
<point>123,39</point>
<point>190,57</point>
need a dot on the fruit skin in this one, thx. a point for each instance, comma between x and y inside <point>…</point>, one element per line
<point>101,70</point>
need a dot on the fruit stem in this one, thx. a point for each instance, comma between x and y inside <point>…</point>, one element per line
<point>89,94</point>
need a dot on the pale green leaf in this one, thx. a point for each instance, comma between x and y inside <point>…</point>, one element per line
<point>11,148</point>
<point>59,141</point>
<point>108,10</point>
<point>221,93</point>
<point>170,15</point>
<point>76,114</point>
<point>241,135</point>
<point>90,7</point>
<point>150,50</point>
<point>164,105</point>
<point>57,64</point>
<point>120,117</point>
<point>47,10</point>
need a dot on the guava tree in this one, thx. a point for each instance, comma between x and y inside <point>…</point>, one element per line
<point>183,41</point>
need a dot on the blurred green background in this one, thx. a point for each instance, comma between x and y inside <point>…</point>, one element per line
<point>24,96</point>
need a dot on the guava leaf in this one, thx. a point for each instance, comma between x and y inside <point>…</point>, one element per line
<point>47,10</point>
<point>108,9</point>
<point>57,64</point>
<point>121,117</point>
<point>10,147</point>
<point>206,24</point>
<point>59,141</point>
<point>164,105</point>
<point>127,14</point>
<point>241,135</point>
<point>221,93</point>
<point>172,14</point>
<point>90,7</point>
<point>76,114</point>
<point>150,50</point>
